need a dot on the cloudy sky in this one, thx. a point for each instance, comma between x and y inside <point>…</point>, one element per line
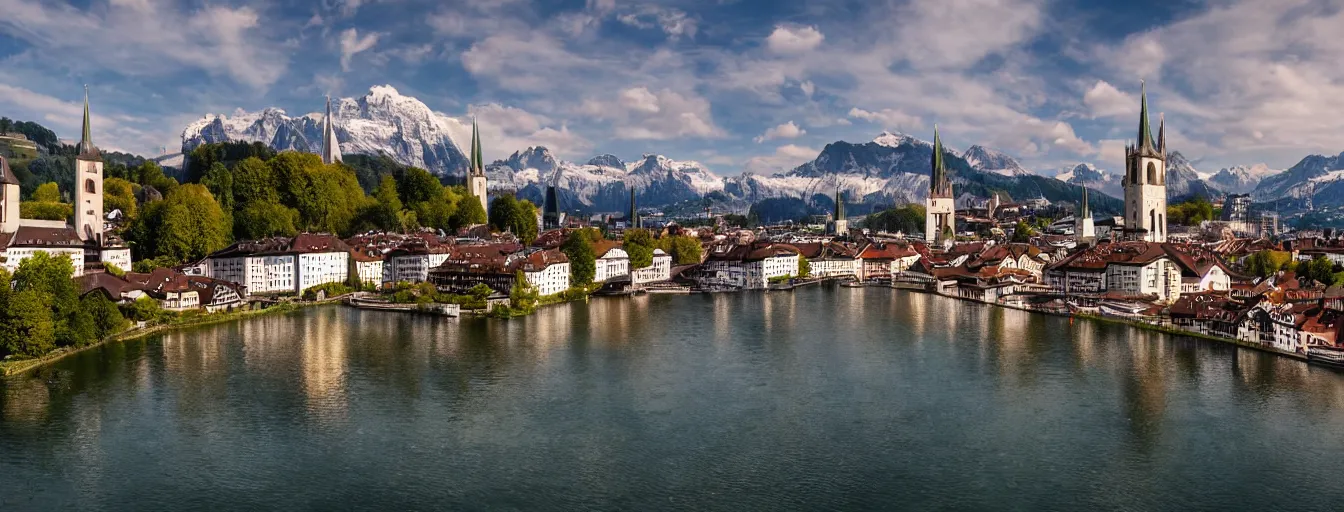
<point>759,85</point>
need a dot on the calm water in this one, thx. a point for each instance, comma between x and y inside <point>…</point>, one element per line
<point>827,398</point>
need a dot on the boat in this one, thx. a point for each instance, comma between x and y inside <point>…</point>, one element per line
<point>448,310</point>
<point>1326,355</point>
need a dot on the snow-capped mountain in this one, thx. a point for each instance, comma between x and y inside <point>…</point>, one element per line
<point>1184,181</point>
<point>1241,179</point>
<point>1089,175</point>
<point>382,121</point>
<point>1321,177</point>
<point>989,160</point>
<point>604,183</point>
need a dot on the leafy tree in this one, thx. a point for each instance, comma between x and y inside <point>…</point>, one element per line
<point>1267,263</point>
<point>151,175</point>
<point>26,327</point>
<point>523,296</point>
<point>1191,212</point>
<point>385,213</point>
<point>219,181</point>
<point>187,225</point>
<point>46,210</point>
<point>469,211</point>
<point>639,245</point>
<point>906,219</point>
<point>107,319</point>
<point>1320,269</point>
<point>804,267</point>
<point>47,193</point>
<point>265,219</point>
<point>114,270</point>
<point>480,292</point>
<point>143,309</point>
<point>582,263</point>
<point>683,249</point>
<point>254,182</point>
<point>1023,232</point>
<point>119,194</point>
<point>417,185</point>
<point>50,277</point>
<point>503,212</point>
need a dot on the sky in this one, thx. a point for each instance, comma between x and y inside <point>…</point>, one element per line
<point>739,85</point>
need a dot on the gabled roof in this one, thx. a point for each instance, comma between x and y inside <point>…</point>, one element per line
<point>33,236</point>
<point>7,176</point>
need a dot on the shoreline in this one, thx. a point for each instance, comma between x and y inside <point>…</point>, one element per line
<point>23,366</point>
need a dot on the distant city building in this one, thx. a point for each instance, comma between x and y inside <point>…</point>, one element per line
<point>940,207</point>
<point>1237,208</point>
<point>658,271</point>
<point>839,225</point>
<point>747,266</point>
<point>1145,182</point>
<point>282,265</point>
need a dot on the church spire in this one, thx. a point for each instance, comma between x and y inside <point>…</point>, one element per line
<point>1085,211</point>
<point>839,204</point>
<point>87,150</point>
<point>477,165</point>
<point>1145,132</point>
<point>938,176</point>
<point>1162,133</point>
<point>331,146</point>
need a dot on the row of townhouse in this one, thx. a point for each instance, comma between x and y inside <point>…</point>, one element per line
<point>1162,271</point>
<point>547,270</point>
<point>747,266</point>
<point>282,264</point>
<point>174,290</point>
<point>1263,320</point>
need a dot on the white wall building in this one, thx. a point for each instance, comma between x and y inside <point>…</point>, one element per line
<point>659,270</point>
<point>546,271</point>
<point>612,261</point>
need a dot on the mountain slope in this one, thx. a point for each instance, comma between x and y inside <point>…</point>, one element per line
<point>1316,175</point>
<point>382,121</point>
<point>1241,179</point>
<point>988,160</point>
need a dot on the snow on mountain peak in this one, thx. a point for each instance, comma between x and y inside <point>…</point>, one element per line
<point>892,140</point>
<point>991,160</point>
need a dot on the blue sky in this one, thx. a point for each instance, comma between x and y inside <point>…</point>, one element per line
<point>736,84</point>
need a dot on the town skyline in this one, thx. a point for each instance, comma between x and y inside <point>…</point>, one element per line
<point>765,96</point>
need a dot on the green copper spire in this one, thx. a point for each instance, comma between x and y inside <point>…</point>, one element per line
<point>1145,133</point>
<point>87,151</point>
<point>938,176</point>
<point>477,162</point>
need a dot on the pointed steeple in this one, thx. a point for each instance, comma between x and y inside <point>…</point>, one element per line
<point>1162,133</point>
<point>839,204</point>
<point>87,151</point>
<point>477,163</point>
<point>938,176</point>
<point>1085,211</point>
<point>331,147</point>
<point>633,221</point>
<point>1145,132</point>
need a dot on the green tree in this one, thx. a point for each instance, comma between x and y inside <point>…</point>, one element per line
<point>804,267</point>
<point>523,296</point>
<point>107,319</point>
<point>683,249</point>
<point>47,193</point>
<point>1023,232</point>
<point>503,213</point>
<point>254,182</point>
<point>582,263</point>
<point>151,175</point>
<point>50,277</point>
<point>265,219</point>
<point>417,185</point>
<point>26,327</point>
<point>119,194</point>
<point>219,181</point>
<point>1320,269</point>
<point>1267,263</point>
<point>469,211</point>
<point>906,219</point>
<point>45,210</point>
<point>639,245</point>
<point>187,225</point>
<point>143,309</point>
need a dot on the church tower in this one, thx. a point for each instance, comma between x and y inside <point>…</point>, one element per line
<point>840,225</point>
<point>476,175</point>
<point>88,185</point>
<point>9,199</point>
<point>331,148</point>
<point>1084,229</point>
<point>1145,181</point>
<point>940,210</point>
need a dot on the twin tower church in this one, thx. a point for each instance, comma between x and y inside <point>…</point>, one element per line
<point>1145,184</point>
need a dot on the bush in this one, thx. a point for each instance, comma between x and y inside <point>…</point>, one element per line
<point>143,309</point>
<point>331,289</point>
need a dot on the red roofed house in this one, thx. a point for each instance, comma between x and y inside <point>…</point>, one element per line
<point>1119,269</point>
<point>883,260</point>
<point>748,266</point>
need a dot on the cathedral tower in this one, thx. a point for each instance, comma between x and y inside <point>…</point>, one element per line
<point>839,224</point>
<point>88,185</point>
<point>476,175</point>
<point>1145,181</point>
<point>1084,230</point>
<point>940,210</point>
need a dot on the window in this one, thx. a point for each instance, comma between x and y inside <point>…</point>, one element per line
<point>90,187</point>
<point>1152,174</point>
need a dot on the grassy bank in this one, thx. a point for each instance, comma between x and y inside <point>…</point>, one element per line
<point>15,367</point>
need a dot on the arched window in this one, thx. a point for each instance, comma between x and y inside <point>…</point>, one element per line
<point>1152,174</point>
<point>90,187</point>
<point>1162,223</point>
<point>1152,220</point>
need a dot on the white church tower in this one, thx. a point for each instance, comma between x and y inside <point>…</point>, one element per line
<point>940,208</point>
<point>9,198</point>
<point>331,148</point>
<point>1145,181</point>
<point>476,175</point>
<point>88,185</point>
<point>1084,230</point>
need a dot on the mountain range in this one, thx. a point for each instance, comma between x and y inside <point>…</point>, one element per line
<point>891,169</point>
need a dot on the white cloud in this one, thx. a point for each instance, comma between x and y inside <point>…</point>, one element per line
<point>808,88</point>
<point>506,129</point>
<point>794,39</point>
<point>639,113</point>
<point>784,131</point>
<point>1111,152</point>
<point>673,22</point>
<point>352,44</point>
<point>1105,100</point>
<point>784,158</point>
<point>528,62</point>
<point>148,38</point>
<point>888,118</point>
<point>958,33</point>
<point>110,132</point>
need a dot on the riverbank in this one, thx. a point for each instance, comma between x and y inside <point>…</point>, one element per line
<point>10,368</point>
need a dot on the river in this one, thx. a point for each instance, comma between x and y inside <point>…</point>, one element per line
<point>823,398</point>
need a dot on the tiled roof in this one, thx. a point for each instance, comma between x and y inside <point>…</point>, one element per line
<point>7,176</point>
<point>30,236</point>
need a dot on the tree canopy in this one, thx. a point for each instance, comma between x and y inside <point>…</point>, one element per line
<point>639,245</point>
